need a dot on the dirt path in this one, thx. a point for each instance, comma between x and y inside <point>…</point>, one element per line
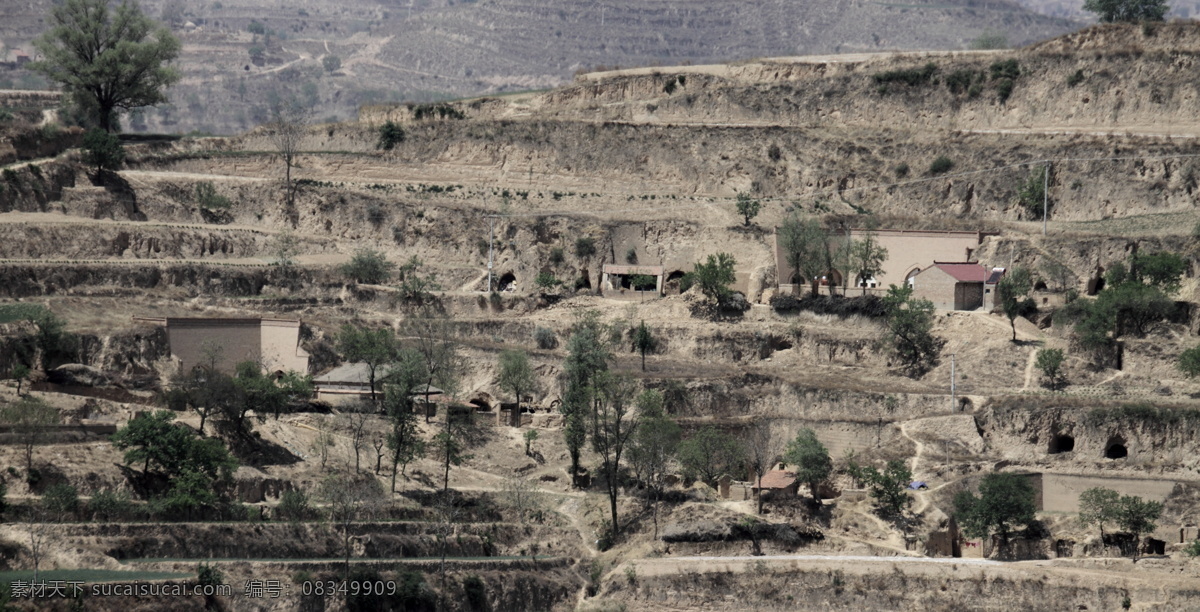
<point>1029,370</point>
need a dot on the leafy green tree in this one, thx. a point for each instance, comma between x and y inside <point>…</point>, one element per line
<point>293,506</point>
<point>256,27</point>
<point>19,373</point>
<point>29,417</point>
<point>888,487</point>
<point>1059,273</point>
<point>1005,501</point>
<point>3,498</point>
<point>909,330</point>
<point>369,266</point>
<point>261,395</point>
<point>206,391</point>
<point>810,461</point>
<point>805,246</point>
<point>714,276</point>
<point>588,356</point>
<point>653,446</point>
<point>107,60</point>
<point>390,135</point>
<point>414,285</point>
<point>1032,195</point>
<point>585,246</point>
<point>1189,362</point>
<point>1163,270</point>
<point>373,347</point>
<point>866,257</point>
<point>450,445</point>
<point>643,341</point>
<point>170,449</point>
<point>1009,292</point>
<point>1050,362</point>
<point>1098,506</point>
<point>404,438</point>
<point>747,207</point>
<point>331,63</point>
<point>711,453</point>
<point>517,377</point>
<point>643,282</point>
<point>1127,11</point>
<point>102,150</point>
<point>530,437</point>
<point>1136,516</point>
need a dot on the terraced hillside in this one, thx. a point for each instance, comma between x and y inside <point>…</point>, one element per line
<point>649,172</point>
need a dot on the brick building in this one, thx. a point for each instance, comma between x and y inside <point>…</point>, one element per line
<point>957,285</point>
<point>275,343</point>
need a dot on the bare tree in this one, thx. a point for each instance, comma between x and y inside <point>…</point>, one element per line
<point>355,423</point>
<point>289,122</point>
<point>348,500</point>
<point>378,442</point>
<point>29,418</point>
<point>321,445</point>
<point>523,498</point>
<point>762,452</point>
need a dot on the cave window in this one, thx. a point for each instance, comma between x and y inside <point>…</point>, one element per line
<point>508,282</point>
<point>584,281</point>
<point>1116,449</point>
<point>1061,443</point>
<point>1039,286</point>
<point>910,278</point>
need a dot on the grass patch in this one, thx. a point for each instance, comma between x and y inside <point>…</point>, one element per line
<point>90,575</point>
<point>10,313</point>
<point>1144,413</point>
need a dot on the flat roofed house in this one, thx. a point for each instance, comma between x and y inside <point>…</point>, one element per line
<point>275,343</point>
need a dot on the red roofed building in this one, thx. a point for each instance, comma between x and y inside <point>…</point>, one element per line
<point>776,484</point>
<point>957,285</point>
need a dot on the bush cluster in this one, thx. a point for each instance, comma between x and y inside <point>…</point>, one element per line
<point>866,306</point>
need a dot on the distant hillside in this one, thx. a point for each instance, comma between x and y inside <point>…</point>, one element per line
<point>438,49</point>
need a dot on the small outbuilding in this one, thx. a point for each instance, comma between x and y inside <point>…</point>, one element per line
<point>776,484</point>
<point>952,285</point>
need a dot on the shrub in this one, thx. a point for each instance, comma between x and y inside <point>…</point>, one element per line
<point>631,256</point>
<point>209,575</point>
<point>1005,69</point>
<point>941,165</point>
<point>293,506</point>
<point>556,255</point>
<point>901,170</point>
<point>1193,549</point>
<point>61,499</point>
<point>545,338</point>
<point>1032,195</point>
<point>585,246</point>
<point>256,27</point>
<point>960,81</point>
<point>975,90</point>
<point>546,281</point>
<point>475,592</point>
<point>207,197</point>
<point>871,306</point>
<point>376,214</point>
<point>774,153</point>
<point>1004,89</point>
<point>331,63</point>
<point>368,266</point>
<point>390,135</point>
<point>911,76</point>
<point>1075,78</point>
<point>990,40</point>
<point>108,504</point>
<point>496,301</point>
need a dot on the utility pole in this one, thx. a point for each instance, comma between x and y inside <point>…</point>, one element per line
<point>491,248</point>
<point>1045,196</point>
<point>953,389</point>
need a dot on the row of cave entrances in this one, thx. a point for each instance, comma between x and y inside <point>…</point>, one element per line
<point>670,285</point>
<point>1115,448</point>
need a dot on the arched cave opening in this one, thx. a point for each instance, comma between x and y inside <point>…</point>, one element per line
<point>481,405</point>
<point>584,281</point>
<point>1039,286</point>
<point>1061,443</point>
<point>507,281</point>
<point>1115,449</point>
<point>673,282</point>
